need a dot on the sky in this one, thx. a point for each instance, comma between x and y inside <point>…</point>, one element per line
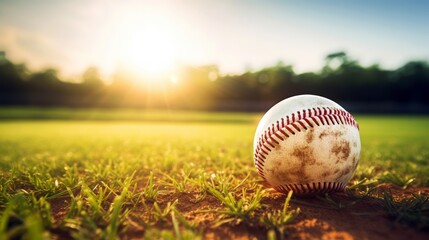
<point>154,36</point>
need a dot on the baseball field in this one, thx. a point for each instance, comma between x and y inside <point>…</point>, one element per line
<point>127,174</point>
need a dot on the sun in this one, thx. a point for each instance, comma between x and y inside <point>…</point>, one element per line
<point>146,46</point>
<point>149,51</point>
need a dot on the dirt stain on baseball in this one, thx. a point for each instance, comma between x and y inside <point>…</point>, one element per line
<point>305,157</point>
<point>294,174</point>
<point>344,172</point>
<point>335,134</point>
<point>277,163</point>
<point>304,154</point>
<point>341,150</point>
<point>309,136</point>
<point>326,173</point>
<point>355,159</point>
<point>298,173</point>
<point>289,175</point>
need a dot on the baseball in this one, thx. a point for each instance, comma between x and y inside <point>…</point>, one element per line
<point>308,144</point>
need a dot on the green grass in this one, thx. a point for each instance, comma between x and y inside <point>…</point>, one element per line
<point>84,177</point>
<point>396,146</point>
<point>278,220</point>
<point>94,114</point>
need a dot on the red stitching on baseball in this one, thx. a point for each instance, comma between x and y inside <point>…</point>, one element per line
<point>326,118</point>
<point>262,150</point>
<point>338,119</point>
<point>270,144</point>
<point>333,119</point>
<point>290,130</point>
<point>315,120</point>
<point>294,125</point>
<point>283,132</point>
<point>322,119</point>
<point>302,124</point>
<point>278,136</point>
<point>266,148</point>
<point>308,122</point>
<point>319,187</point>
<point>324,115</point>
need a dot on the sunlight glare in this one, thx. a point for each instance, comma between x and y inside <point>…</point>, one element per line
<point>174,79</point>
<point>146,46</point>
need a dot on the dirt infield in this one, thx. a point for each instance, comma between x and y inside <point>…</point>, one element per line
<point>340,216</point>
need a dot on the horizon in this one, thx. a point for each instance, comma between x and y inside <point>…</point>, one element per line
<point>236,36</point>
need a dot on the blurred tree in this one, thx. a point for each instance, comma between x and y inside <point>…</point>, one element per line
<point>411,82</point>
<point>197,85</point>
<point>333,61</point>
<point>91,78</point>
<point>12,74</point>
<point>276,81</point>
<point>48,77</point>
<point>12,85</point>
<point>341,56</point>
<point>341,79</point>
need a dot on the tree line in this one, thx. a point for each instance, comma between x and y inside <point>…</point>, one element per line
<point>342,79</point>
